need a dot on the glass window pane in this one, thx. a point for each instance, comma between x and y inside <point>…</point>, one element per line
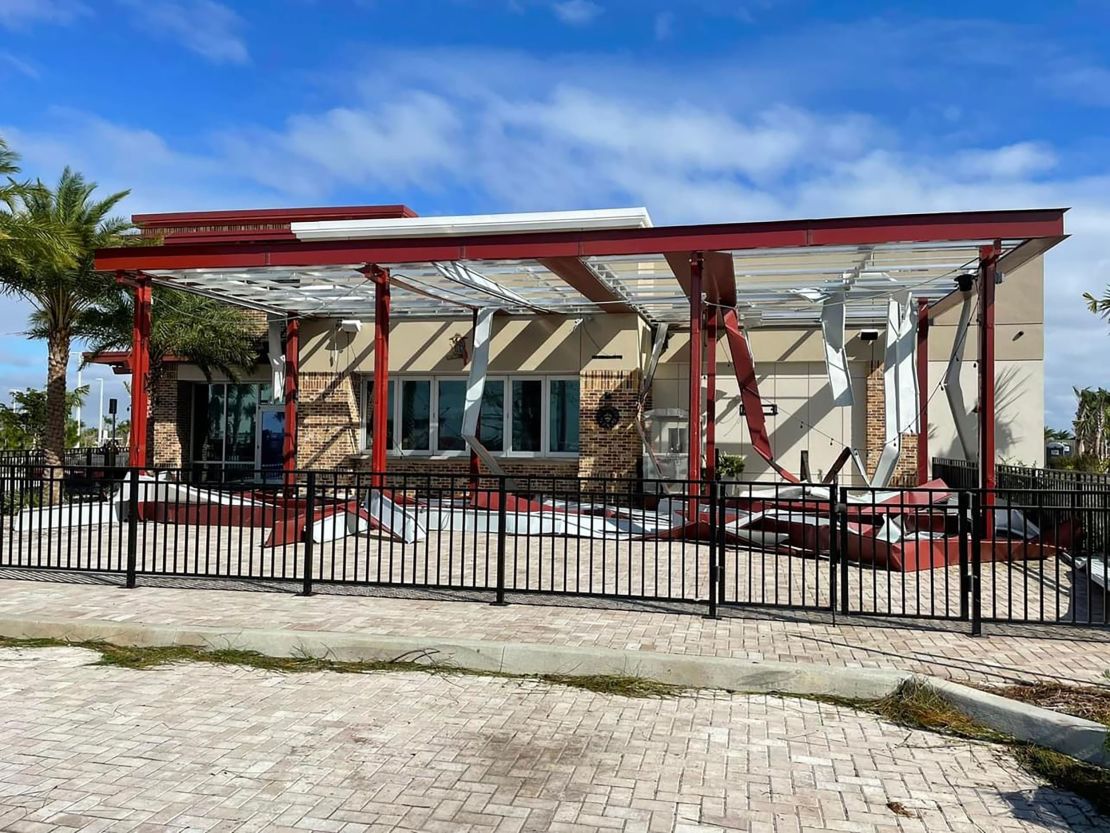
<point>242,412</point>
<point>208,422</point>
<point>491,422</point>
<point>527,414</point>
<point>369,415</point>
<point>450,404</point>
<point>563,415</point>
<point>416,409</point>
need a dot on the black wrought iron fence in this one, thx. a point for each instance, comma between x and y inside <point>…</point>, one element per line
<point>1009,555</point>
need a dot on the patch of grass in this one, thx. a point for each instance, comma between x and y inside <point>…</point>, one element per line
<point>1087,702</point>
<point>920,706</point>
<point>1066,773</point>
<point>145,657</point>
<point>617,686</point>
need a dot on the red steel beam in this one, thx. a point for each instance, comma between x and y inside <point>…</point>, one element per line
<point>578,276</point>
<point>140,375</point>
<point>718,275</point>
<point>475,466</point>
<point>711,393</point>
<point>381,372</point>
<point>988,263</point>
<point>744,365</point>
<point>292,388</point>
<point>693,467</point>
<point>923,390</point>
<point>909,228</point>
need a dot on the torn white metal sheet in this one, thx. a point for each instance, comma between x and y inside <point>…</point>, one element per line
<point>398,521</point>
<point>274,327</point>
<point>899,384</point>
<point>836,358</point>
<point>475,387</point>
<point>953,392</point>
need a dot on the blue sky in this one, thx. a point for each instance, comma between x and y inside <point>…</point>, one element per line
<point>700,110</point>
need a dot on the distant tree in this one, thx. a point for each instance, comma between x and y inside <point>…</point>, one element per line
<point>25,240</point>
<point>1060,435</point>
<point>1092,423</point>
<point>23,423</point>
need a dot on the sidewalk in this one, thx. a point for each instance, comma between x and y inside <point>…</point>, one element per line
<point>1079,655</point>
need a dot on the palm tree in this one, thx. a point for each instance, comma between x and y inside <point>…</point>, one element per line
<point>24,240</point>
<point>61,289</point>
<point>1099,306</point>
<point>210,334</point>
<point>1092,423</point>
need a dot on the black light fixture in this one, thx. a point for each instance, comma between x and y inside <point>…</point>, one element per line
<point>965,281</point>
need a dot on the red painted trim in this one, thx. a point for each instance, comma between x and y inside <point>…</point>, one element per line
<point>988,260</point>
<point>693,466</point>
<point>923,390</point>
<point>140,376</point>
<point>744,365</point>
<point>381,370</point>
<point>923,228</point>
<point>274,215</point>
<point>292,390</point>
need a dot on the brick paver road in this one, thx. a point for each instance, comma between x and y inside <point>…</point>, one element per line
<point>1067,654</point>
<point>199,747</point>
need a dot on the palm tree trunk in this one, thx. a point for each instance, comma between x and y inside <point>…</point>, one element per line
<point>54,432</point>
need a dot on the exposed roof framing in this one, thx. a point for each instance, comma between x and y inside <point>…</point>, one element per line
<point>777,272</point>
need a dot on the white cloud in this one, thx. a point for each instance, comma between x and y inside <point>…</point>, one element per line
<point>206,27</point>
<point>504,131</point>
<point>23,13</point>
<point>576,12</point>
<point>18,65</point>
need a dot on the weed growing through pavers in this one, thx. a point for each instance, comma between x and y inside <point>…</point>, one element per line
<point>145,657</point>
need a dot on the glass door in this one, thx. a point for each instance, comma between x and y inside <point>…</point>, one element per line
<point>271,439</point>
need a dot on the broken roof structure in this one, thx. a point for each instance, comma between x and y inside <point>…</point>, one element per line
<point>378,262</point>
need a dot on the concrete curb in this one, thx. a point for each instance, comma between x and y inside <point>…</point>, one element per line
<point>1082,739</point>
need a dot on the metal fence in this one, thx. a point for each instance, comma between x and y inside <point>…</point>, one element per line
<point>964,555</point>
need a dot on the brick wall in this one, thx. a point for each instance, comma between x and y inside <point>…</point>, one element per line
<point>614,452</point>
<point>168,426</point>
<point>905,473</point>
<point>328,420</point>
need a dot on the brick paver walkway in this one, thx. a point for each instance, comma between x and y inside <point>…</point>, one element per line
<point>206,748</point>
<point>1070,654</point>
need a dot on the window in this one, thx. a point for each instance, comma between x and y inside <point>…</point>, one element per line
<point>540,418</point>
<point>451,395</point>
<point>527,433</point>
<point>416,415</point>
<point>562,419</point>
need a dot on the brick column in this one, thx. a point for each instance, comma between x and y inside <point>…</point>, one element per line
<point>905,473</point>
<point>615,452</point>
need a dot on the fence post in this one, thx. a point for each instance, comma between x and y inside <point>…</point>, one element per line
<point>714,545</point>
<point>132,526</point>
<point>978,526</point>
<point>842,528</point>
<point>722,520</point>
<point>963,533</point>
<point>502,499</point>
<point>834,547</point>
<point>309,543</point>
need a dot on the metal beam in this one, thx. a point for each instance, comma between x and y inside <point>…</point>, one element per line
<point>922,391</point>
<point>921,228</point>
<point>380,438</point>
<point>580,277</point>
<point>292,390</point>
<point>140,376</point>
<point>988,263</point>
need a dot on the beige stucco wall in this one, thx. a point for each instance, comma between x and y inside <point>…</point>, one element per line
<point>544,344</point>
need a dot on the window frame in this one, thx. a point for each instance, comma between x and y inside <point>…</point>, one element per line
<point>504,379</point>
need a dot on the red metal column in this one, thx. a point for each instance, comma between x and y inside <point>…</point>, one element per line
<point>922,390</point>
<point>140,375</point>
<point>381,370</point>
<point>292,389</point>
<point>475,469</point>
<point>693,468</point>
<point>988,260</point>
<point>711,394</point>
